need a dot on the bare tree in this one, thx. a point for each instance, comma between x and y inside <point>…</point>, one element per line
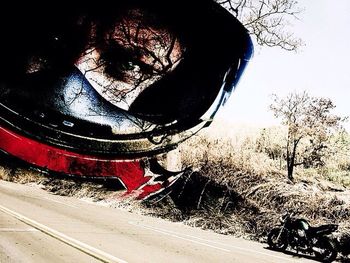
<point>310,125</point>
<point>267,20</point>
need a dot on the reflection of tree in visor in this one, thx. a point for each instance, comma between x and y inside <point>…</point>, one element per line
<point>84,90</point>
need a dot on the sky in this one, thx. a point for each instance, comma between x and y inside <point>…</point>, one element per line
<point>320,67</point>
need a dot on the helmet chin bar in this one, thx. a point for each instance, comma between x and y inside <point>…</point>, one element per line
<point>142,178</point>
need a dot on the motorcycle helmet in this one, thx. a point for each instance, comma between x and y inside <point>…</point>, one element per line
<point>92,90</point>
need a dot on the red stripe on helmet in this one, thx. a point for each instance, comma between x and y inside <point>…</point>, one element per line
<point>130,173</point>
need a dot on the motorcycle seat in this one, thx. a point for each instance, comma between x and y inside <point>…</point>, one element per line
<point>323,230</point>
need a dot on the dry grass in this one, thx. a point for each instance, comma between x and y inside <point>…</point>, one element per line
<point>261,188</point>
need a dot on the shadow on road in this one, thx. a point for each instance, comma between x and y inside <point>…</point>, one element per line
<point>341,258</point>
<point>294,254</point>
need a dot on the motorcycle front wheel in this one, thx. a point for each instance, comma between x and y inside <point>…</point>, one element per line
<point>277,240</point>
<point>325,250</point>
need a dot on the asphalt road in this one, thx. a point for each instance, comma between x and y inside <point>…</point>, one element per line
<point>36,226</point>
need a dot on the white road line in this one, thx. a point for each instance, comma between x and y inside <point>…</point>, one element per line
<point>18,230</point>
<point>175,234</point>
<point>59,202</point>
<point>47,198</point>
<point>247,249</point>
<point>85,248</point>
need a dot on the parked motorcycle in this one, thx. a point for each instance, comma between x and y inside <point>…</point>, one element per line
<point>300,236</point>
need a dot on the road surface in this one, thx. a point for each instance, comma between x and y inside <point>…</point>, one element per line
<point>36,226</point>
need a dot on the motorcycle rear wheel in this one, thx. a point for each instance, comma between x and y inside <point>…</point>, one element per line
<point>276,240</point>
<point>326,250</point>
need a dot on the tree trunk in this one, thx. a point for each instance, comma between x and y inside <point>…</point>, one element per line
<point>289,163</point>
<point>290,171</point>
<point>291,160</point>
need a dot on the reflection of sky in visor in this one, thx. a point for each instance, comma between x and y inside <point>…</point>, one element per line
<point>132,55</point>
<point>87,106</point>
